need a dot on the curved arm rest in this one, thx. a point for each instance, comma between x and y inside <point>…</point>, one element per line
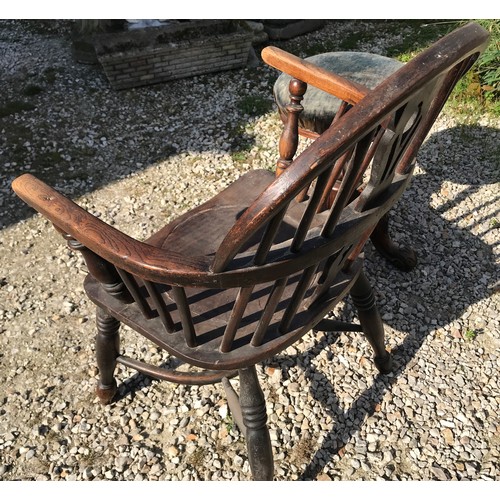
<point>311,74</point>
<point>111,244</point>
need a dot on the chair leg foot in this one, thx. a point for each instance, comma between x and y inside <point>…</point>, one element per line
<point>253,411</point>
<point>404,258</point>
<point>384,364</point>
<point>371,322</point>
<point>107,350</point>
<point>106,393</point>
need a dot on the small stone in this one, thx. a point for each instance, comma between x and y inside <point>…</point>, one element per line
<point>223,411</point>
<point>447,423</point>
<point>88,473</point>
<point>323,477</point>
<point>156,469</point>
<point>439,473</point>
<point>449,438</point>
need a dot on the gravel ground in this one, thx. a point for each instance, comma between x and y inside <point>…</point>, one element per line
<point>138,158</point>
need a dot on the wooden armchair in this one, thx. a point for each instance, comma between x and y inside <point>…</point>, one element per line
<point>243,276</point>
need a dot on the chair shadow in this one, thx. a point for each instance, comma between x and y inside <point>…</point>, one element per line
<point>439,291</point>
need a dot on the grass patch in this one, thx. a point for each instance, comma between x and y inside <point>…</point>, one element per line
<point>229,423</point>
<point>197,458</point>
<point>416,35</point>
<point>14,107</point>
<point>46,160</point>
<point>239,156</point>
<point>352,40</point>
<point>478,92</point>
<point>31,90</point>
<point>476,95</point>
<point>50,75</point>
<point>241,143</point>
<point>303,451</point>
<point>254,105</point>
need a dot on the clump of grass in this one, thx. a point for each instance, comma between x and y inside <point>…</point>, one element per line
<point>417,35</point>
<point>50,75</point>
<point>303,451</point>
<point>229,422</point>
<point>197,458</point>
<point>488,65</point>
<point>14,107</point>
<point>240,156</point>
<point>254,105</point>
<point>470,334</point>
<point>352,40</point>
<point>32,89</point>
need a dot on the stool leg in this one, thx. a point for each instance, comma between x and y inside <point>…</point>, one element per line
<point>403,258</point>
<point>253,410</point>
<point>107,350</point>
<point>371,322</point>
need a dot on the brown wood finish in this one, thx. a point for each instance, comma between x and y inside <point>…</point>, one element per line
<point>246,274</point>
<point>300,69</point>
<point>289,139</point>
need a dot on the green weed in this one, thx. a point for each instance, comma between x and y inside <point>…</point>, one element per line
<point>31,90</point>
<point>14,107</point>
<point>255,105</point>
<point>470,334</point>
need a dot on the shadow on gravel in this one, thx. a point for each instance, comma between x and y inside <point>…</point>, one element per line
<point>79,143</point>
<point>456,270</point>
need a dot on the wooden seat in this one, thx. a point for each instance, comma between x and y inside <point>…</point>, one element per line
<point>245,275</point>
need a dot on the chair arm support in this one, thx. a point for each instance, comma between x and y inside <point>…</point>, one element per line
<point>309,73</point>
<point>106,241</point>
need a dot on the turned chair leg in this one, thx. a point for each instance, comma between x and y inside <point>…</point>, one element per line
<point>249,413</point>
<point>371,322</point>
<point>107,350</point>
<point>253,410</point>
<point>403,258</point>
